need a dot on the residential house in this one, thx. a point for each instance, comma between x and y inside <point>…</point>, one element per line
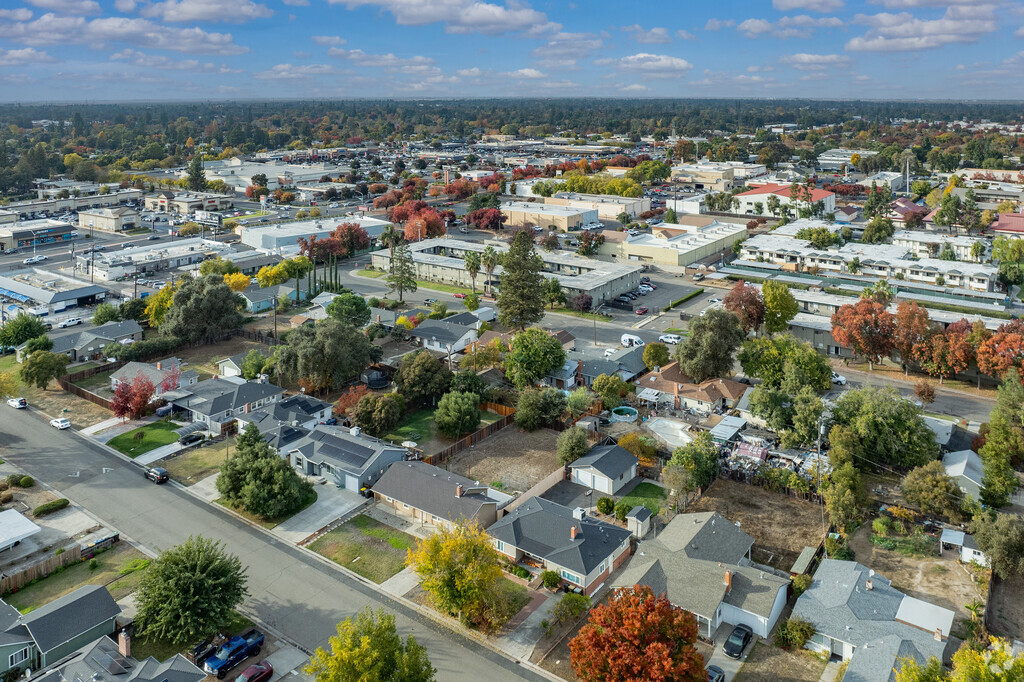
<point>565,377</point>
<point>547,536</point>
<point>443,336</point>
<point>670,386</point>
<point>83,342</point>
<point>964,467</point>
<point>606,469</point>
<point>567,339</point>
<point>1008,224</point>
<point>465,319</point>
<point>258,299</point>
<point>902,209</point>
<point>217,402</point>
<point>701,562</point>
<point>165,375</point>
<point>231,367</point>
<point>628,364</point>
<point>298,410</point>
<point>345,456</point>
<point>47,634</point>
<point>860,617</point>
<point>106,659</point>
<point>964,545</point>
<point>950,436</point>
<point>434,496</point>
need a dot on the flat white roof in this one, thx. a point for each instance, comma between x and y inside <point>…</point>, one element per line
<point>544,209</point>
<point>14,527</point>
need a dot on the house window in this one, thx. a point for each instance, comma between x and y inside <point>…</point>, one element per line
<point>501,546</point>
<point>18,657</point>
<point>388,499</point>
<point>570,577</point>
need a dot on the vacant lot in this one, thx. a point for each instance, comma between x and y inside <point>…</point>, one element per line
<point>198,463</point>
<point>97,383</point>
<point>767,663</point>
<point>204,358</point>
<point>368,547</point>
<point>941,581</point>
<point>1007,608</point>
<point>515,458</point>
<point>153,436</point>
<point>780,525</point>
<point>53,401</point>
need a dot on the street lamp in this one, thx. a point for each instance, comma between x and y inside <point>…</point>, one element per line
<point>597,310</point>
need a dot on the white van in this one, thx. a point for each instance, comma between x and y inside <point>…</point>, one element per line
<point>629,340</point>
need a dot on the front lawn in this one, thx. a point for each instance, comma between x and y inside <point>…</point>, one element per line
<point>375,274</point>
<point>370,548</point>
<point>647,494</point>
<point>196,464</point>
<point>153,436</point>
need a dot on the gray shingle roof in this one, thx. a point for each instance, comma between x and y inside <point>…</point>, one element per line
<point>542,528</point>
<point>83,336</point>
<point>299,407</point>
<point>433,490</point>
<point>707,536</point>
<point>609,460</point>
<point>443,330</point>
<point>69,616</point>
<point>341,450</point>
<point>217,395</point>
<point>102,658</point>
<point>466,319</point>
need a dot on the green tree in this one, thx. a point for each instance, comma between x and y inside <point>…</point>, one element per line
<point>203,308</point>
<point>257,480</point>
<point>189,592</point>
<point>20,328</point>
<point>132,309</point>
<point>521,298</point>
<point>468,381</point>
<point>699,458</point>
<point>807,411</point>
<point>1001,538</point>
<point>532,355</point>
<point>611,388</point>
<point>378,413</point>
<point>253,363</point>
<point>369,649</point>
<point>37,343</point>
<point>890,428</point>
<point>195,179</point>
<point>996,663</point>
<point>218,266</point>
<point>457,413</point>
<point>349,308</point>
<point>670,216</point>
<point>421,378</point>
<point>537,407</point>
<point>39,368</point>
<point>105,312</point>
<point>931,490</point>
<point>1005,437</point>
<point>844,496</point>
<point>572,444</point>
<point>656,355</point>
<point>579,401</point>
<point>779,306</point>
<point>783,358</point>
<point>326,354</point>
<point>708,351</point>
<point>402,278</point>
<point>553,294</point>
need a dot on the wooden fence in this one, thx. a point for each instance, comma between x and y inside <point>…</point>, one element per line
<point>503,410</point>
<point>16,581</point>
<point>472,439</point>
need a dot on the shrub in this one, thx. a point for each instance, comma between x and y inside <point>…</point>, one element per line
<point>50,507</point>
<point>623,508</point>
<point>684,299</point>
<point>93,564</point>
<point>60,550</point>
<point>4,485</point>
<point>13,480</point>
<point>882,526</point>
<point>571,606</point>
<point>26,482</point>
<point>133,565</point>
<point>551,580</point>
<point>6,497</point>
<point>606,505</point>
<point>794,633</point>
<point>801,583</point>
<point>517,571</point>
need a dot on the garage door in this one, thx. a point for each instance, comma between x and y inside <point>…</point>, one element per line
<point>352,483</point>
<point>734,616</point>
<point>603,484</point>
<point>583,477</point>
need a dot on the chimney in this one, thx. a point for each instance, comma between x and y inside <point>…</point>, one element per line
<point>572,532</point>
<point>727,581</point>
<point>459,490</point>
<point>938,634</point>
<point>159,365</point>
<point>124,644</point>
<point>868,585</point>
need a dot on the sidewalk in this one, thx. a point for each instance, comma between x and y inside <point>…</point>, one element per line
<point>158,453</point>
<point>521,642</point>
<point>400,583</point>
<point>331,503</point>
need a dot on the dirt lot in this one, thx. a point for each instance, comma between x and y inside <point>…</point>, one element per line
<point>512,457</point>
<point>940,580</point>
<point>769,664</point>
<point>204,358</point>
<point>780,525</point>
<point>1008,608</point>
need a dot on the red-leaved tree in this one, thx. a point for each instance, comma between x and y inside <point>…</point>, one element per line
<point>350,397</point>
<point>746,303</point>
<point>912,329</point>
<point>142,393</point>
<point>865,327</point>
<point>945,354</point>
<point>1002,350</point>
<point>120,404</point>
<point>171,378</point>
<point>637,636</point>
<point>486,218</point>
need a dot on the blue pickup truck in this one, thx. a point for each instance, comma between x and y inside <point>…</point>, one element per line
<point>233,652</point>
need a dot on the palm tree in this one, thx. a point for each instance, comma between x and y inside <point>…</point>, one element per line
<point>489,259</point>
<point>975,608</point>
<point>473,267</point>
<point>390,238</point>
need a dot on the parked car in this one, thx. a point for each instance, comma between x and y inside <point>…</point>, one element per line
<point>10,251</point>
<point>645,279</point>
<point>670,338</point>
<point>429,301</point>
<point>698,276</point>
<point>608,352</point>
<point>190,439</point>
<point>714,300</point>
<point>630,340</point>
<point>70,322</point>
<point>838,379</point>
<point>257,672</point>
<point>715,674</point>
<point>642,310</point>
<point>460,295</point>
<point>60,423</point>
<point>233,652</point>
<point>17,403</point>
<point>738,641</point>
<point>645,288</point>
<point>157,475</point>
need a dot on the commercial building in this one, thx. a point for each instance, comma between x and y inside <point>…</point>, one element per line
<point>238,173</point>
<point>442,260</point>
<point>891,179</point>
<point>320,191</point>
<point>284,237</point>
<point>44,292</point>
<point>186,202</point>
<point>562,218</point>
<point>28,209</point>
<point>29,233</point>
<point>607,206</point>
<point>693,204</point>
<point>710,177</point>
<point>931,244</point>
<point>109,219</point>
<point>48,188</point>
<point>674,244</point>
<point>757,198</point>
<point>837,159</point>
<point>151,258</point>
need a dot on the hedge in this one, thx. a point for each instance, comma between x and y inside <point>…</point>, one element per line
<point>684,299</point>
<point>50,507</point>
<point>142,350</point>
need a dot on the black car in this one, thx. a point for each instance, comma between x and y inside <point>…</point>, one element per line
<point>715,674</point>
<point>738,641</point>
<point>191,439</point>
<point>157,475</point>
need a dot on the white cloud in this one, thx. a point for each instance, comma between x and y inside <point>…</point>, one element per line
<point>812,5</point>
<point>50,29</point>
<point>654,64</point>
<point>296,3</point>
<point>683,34</point>
<point>126,6</point>
<point>328,40</point>
<point>634,87</point>
<point>25,56</point>
<point>68,6</point>
<point>799,26</point>
<point>647,37</point>
<point>294,72</point>
<point>721,79</point>
<point>901,32</point>
<point>20,14</point>
<point>718,24</point>
<point>525,74</point>
<point>475,72</point>
<point>150,61</point>
<point>388,60</point>
<point>230,11</point>
<point>461,16</point>
<point>910,4</point>
<point>816,62</point>
<point>300,54</point>
<point>565,49</point>
<point>17,79</point>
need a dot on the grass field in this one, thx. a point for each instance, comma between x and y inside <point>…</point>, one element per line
<point>108,572</point>
<point>417,426</point>
<point>560,310</point>
<point>373,274</point>
<point>198,463</point>
<point>647,494</point>
<point>368,547</point>
<point>155,435</point>
<point>100,380</point>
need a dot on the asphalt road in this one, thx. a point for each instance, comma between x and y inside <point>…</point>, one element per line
<point>290,591</point>
<point>953,403</point>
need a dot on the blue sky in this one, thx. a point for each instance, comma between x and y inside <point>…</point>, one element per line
<point>103,50</point>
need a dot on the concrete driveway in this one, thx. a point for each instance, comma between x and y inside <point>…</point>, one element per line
<point>331,503</point>
<point>728,665</point>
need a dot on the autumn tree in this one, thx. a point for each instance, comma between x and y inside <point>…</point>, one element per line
<point>912,328</point>
<point>779,306</point>
<point>369,648</point>
<point>237,282</point>
<point>866,327</point>
<point>636,635</point>
<point>348,399</point>
<point>642,447</point>
<point>944,354</point>
<point>656,355</point>
<point>131,398</point>
<point>1003,350</point>
<point>925,392</point>
<point>745,302</point>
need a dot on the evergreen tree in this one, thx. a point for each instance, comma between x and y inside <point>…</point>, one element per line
<point>521,298</point>
<point>196,178</point>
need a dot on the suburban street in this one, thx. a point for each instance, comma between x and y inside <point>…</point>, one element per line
<point>289,590</point>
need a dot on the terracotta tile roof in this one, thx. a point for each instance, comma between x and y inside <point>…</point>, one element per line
<point>784,191</point>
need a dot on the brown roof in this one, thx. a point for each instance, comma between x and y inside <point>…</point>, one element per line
<point>671,379</point>
<point>563,336</point>
<point>488,336</point>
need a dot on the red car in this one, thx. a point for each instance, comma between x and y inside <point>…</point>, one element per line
<point>642,310</point>
<point>460,296</point>
<point>259,672</point>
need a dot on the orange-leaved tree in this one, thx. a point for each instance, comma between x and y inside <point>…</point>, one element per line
<point>637,636</point>
<point>746,303</point>
<point>912,328</point>
<point>865,327</point>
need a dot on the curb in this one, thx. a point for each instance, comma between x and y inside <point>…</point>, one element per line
<point>910,383</point>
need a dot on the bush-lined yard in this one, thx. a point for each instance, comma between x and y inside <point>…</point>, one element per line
<point>370,548</point>
<point>647,494</point>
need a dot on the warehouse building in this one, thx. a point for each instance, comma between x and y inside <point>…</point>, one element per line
<point>608,207</point>
<point>443,260</point>
<point>284,238</point>
<point>561,218</point>
<point>109,219</point>
<point>674,244</point>
<point>151,258</point>
<point>42,292</point>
